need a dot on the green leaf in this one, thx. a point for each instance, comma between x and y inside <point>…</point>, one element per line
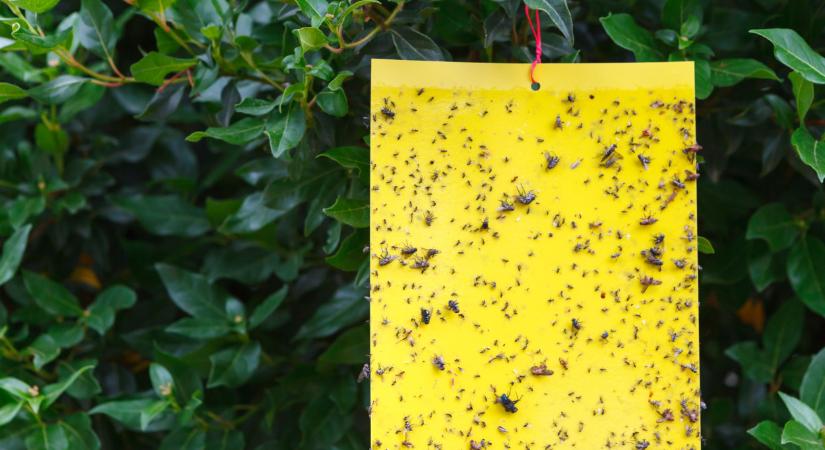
<point>753,361</point>
<point>810,151</point>
<point>352,212</point>
<point>350,157</point>
<point>783,332</point>
<point>233,366</point>
<point>151,412</point>
<point>58,90</point>
<point>316,10</point>
<point>9,411</point>
<point>351,254</point>
<point>285,130</point>
<point>790,49</point>
<point>155,6</point>
<point>52,140</point>
<point>79,432</point>
<point>728,72</point>
<point>345,308</point>
<point>200,328</point>
<point>311,38</point>
<point>267,307</point>
<point>764,266</point>
<point>52,297</point>
<point>775,225</point>
<point>702,77</point>
<point>812,390</point>
<point>684,16</point>
<point>129,412</point>
<point>255,106</point>
<point>193,293</point>
<point>414,45</point>
<point>9,91</point>
<point>36,6</point>
<point>559,14</point>
<point>806,272</point>
<point>705,246</point>
<point>625,33</point>
<point>154,67</point>
<point>249,265</point>
<point>166,215</point>
<point>333,102</point>
<point>47,437</point>
<point>768,434</point>
<point>95,29</point>
<point>803,92</point>
<point>13,250</point>
<point>802,413</point>
<point>101,315</point>
<point>225,440</point>
<point>185,439</point>
<point>44,349</point>
<point>37,42</point>
<point>351,347</point>
<point>796,433</point>
<point>53,391</point>
<point>239,133</point>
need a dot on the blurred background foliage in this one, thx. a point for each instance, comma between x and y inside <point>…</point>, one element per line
<point>184,216</point>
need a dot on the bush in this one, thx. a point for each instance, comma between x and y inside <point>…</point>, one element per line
<point>184,190</point>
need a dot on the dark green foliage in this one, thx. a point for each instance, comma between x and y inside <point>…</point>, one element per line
<point>184,192</point>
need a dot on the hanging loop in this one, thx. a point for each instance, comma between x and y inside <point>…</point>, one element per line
<point>535,28</point>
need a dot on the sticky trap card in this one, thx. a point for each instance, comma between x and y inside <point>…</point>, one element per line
<point>533,257</point>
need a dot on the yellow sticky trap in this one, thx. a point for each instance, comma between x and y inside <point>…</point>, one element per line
<point>534,257</point>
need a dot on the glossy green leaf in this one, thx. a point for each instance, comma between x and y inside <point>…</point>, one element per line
<point>414,45</point>
<point>627,34</point>
<point>812,389</point>
<point>350,254</point>
<point>352,212</point>
<point>235,365</point>
<point>764,266</point>
<point>731,71</point>
<point>783,332</point>
<point>52,297</point>
<point>47,437</point>
<point>101,313</point>
<point>154,67</point>
<point>311,38</point>
<point>36,6</point>
<point>810,151</point>
<point>345,308</point>
<point>200,328</point>
<point>9,91</point>
<point>13,249</point>
<point>314,9</point>
<point>705,246</point>
<point>803,92</point>
<point>806,272</point>
<point>684,16</point>
<point>58,90</point>
<point>792,50</point>
<point>286,129</point>
<point>96,30</point>
<point>350,157</point>
<point>79,433</point>
<point>239,133</point>
<point>166,215</point>
<point>768,434</point>
<point>559,14</point>
<point>802,413</point>
<point>796,433</point>
<point>775,225</point>
<point>192,292</point>
<point>129,412</point>
<point>267,307</point>
<point>753,361</point>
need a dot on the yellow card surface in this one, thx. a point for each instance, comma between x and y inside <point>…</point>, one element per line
<point>534,257</point>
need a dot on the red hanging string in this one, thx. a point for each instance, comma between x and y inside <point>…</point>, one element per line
<point>536,30</point>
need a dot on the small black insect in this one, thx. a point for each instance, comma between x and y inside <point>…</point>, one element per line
<point>525,197</point>
<point>506,206</point>
<point>577,325</point>
<point>432,252</point>
<point>507,404</point>
<point>605,335</point>
<point>429,218</point>
<point>645,160</point>
<point>642,445</point>
<point>386,258</point>
<point>648,281</point>
<point>552,160</point>
<point>658,238</point>
<point>571,98</point>
<point>438,361</point>
<point>388,113</point>
<point>485,224</point>
<point>425,316</point>
<point>558,123</point>
<point>649,220</point>
<point>453,305</point>
<point>408,250</point>
<point>421,263</point>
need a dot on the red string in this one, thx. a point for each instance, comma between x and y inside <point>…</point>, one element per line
<point>536,30</point>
